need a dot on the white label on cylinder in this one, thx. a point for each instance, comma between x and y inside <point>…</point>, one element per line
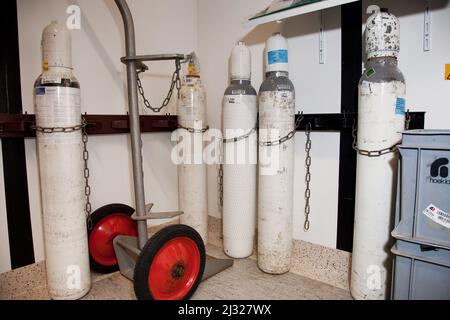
<point>62,190</point>
<point>275,197</point>
<point>379,126</point>
<point>239,175</point>
<point>58,107</point>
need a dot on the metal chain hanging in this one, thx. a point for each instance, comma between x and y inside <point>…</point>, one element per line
<point>286,137</point>
<point>220,176</point>
<point>370,153</point>
<point>307,176</point>
<point>59,129</point>
<point>242,137</point>
<point>407,120</point>
<point>380,152</point>
<point>86,174</point>
<point>193,130</point>
<point>175,82</point>
<point>220,169</point>
<point>84,138</point>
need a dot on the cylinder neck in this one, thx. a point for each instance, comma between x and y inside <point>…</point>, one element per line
<point>240,81</point>
<point>272,74</point>
<point>55,69</point>
<point>382,61</point>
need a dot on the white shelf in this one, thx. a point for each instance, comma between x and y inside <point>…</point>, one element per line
<point>296,11</point>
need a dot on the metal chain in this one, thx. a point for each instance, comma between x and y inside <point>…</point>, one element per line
<point>220,176</point>
<point>286,137</point>
<point>407,120</point>
<point>307,176</point>
<point>60,129</point>
<point>242,137</point>
<point>84,138</point>
<point>86,174</point>
<point>370,153</point>
<point>220,171</point>
<point>193,130</point>
<point>175,82</point>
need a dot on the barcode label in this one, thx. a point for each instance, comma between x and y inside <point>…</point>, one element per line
<point>437,215</point>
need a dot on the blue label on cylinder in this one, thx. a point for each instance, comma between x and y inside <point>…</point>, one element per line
<point>278,56</point>
<point>39,91</point>
<point>400,106</point>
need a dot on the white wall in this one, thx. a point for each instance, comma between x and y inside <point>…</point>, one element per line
<point>317,91</point>
<point>161,27</point>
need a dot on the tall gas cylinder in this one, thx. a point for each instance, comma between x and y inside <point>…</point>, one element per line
<point>381,119</point>
<point>276,162</point>
<point>192,192</point>
<point>58,105</point>
<point>239,168</point>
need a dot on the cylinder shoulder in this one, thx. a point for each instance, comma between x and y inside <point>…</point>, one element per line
<point>277,84</point>
<point>382,74</point>
<point>240,89</point>
<point>50,81</point>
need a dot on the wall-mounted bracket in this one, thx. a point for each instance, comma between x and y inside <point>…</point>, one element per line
<point>343,122</point>
<point>20,125</point>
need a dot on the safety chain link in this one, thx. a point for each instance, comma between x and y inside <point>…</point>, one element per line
<point>245,136</point>
<point>242,137</point>
<point>193,130</point>
<point>370,153</point>
<point>86,174</point>
<point>286,137</point>
<point>175,82</point>
<point>60,129</point>
<point>220,178</point>
<point>307,176</point>
<point>84,138</point>
<point>377,153</point>
<point>220,156</point>
<point>407,120</point>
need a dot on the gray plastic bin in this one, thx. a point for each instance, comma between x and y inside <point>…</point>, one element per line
<point>424,176</point>
<point>420,272</point>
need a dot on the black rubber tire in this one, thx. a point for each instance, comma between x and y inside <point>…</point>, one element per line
<point>145,259</point>
<point>96,216</point>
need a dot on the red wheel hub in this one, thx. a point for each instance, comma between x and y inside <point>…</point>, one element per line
<point>174,269</point>
<point>103,233</point>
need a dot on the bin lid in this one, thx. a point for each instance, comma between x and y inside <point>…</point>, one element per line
<point>427,132</point>
<point>426,138</point>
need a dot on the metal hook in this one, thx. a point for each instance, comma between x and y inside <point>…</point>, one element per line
<point>345,118</point>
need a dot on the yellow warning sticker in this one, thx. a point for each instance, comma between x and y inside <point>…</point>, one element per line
<point>447,71</point>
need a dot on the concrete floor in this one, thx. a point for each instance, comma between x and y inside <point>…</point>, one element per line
<point>242,281</point>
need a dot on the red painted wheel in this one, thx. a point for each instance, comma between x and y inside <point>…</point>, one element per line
<point>171,265</point>
<point>108,222</point>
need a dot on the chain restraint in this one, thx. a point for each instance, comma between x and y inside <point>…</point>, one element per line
<point>307,175</point>
<point>175,83</point>
<point>287,137</point>
<point>86,174</point>
<point>84,137</point>
<point>279,141</point>
<point>192,130</point>
<point>220,175</point>
<point>407,120</point>
<point>220,156</point>
<point>380,152</point>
